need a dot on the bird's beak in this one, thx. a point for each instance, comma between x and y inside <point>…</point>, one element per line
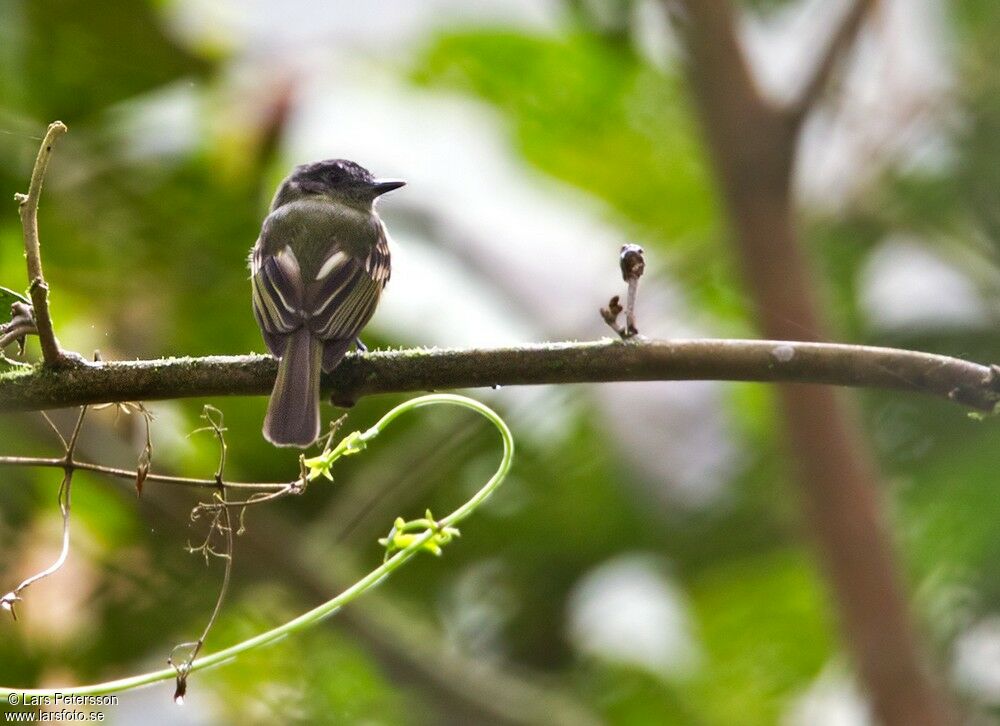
<point>381,186</point>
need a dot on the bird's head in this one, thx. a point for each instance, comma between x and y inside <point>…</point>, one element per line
<point>340,180</point>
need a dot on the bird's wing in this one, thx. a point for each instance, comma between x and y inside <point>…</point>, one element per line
<point>346,291</point>
<point>278,295</point>
<point>335,305</point>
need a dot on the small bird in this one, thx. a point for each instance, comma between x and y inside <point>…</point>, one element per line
<point>317,269</point>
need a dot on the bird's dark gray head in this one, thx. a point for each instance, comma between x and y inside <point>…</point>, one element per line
<point>339,179</point>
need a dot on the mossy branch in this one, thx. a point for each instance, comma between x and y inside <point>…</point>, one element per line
<point>400,371</point>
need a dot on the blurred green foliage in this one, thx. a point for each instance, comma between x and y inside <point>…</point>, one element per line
<point>594,114</point>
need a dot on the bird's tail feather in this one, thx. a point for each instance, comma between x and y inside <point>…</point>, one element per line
<point>334,352</point>
<point>293,412</point>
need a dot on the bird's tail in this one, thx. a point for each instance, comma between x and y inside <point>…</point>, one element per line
<point>293,413</point>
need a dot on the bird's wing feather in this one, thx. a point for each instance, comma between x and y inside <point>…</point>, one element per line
<point>277,295</point>
<point>343,301</point>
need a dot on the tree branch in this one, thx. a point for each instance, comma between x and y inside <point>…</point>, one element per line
<point>52,354</point>
<point>752,144</point>
<point>970,384</point>
<point>842,36</point>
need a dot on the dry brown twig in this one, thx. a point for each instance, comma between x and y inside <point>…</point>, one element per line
<point>52,353</point>
<point>221,523</point>
<point>633,263</point>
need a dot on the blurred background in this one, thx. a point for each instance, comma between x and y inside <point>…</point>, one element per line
<point>647,561</point>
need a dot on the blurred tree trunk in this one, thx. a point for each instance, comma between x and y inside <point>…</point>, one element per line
<point>752,144</point>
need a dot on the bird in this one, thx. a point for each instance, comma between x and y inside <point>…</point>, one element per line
<point>317,272</point>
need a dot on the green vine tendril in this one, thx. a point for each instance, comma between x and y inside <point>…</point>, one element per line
<point>404,541</point>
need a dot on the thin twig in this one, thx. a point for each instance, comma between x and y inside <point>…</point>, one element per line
<point>633,264</point>
<point>296,487</point>
<point>839,42</point>
<point>183,669</point>
<point>55,429</point>
<point>131,474</point>
<point>219,429</point>
<point>52,354</point>
<point>65,504</point>
<point>221,502</point>
<point>221,522</point>
<point>145,459</point>
<point>16,334</point>
<point>71,445</point>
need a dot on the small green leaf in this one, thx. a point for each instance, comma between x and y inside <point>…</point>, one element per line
<point>8,298</point>
<point>319,466</point>
<point>404,534</point>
